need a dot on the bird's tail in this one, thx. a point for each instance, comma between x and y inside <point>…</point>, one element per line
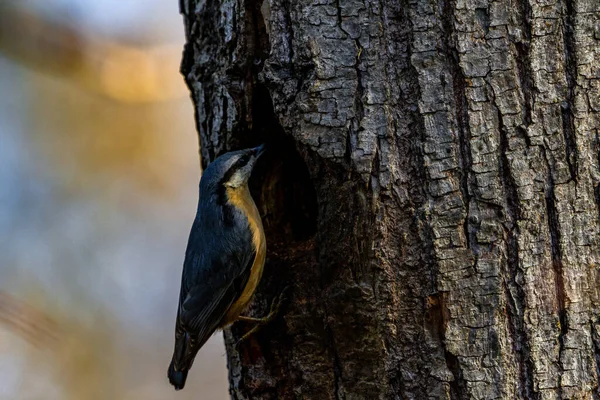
<point>186,347</point>
<point>177,378</point>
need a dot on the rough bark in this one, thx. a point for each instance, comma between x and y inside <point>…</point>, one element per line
<point>432,196</point>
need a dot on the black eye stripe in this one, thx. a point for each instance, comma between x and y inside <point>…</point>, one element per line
<point>243,160</point>
<point>239,163</point>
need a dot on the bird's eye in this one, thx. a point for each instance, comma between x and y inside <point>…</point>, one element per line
<point>243,160</point>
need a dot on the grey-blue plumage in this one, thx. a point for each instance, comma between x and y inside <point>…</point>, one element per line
<point>223,257</point>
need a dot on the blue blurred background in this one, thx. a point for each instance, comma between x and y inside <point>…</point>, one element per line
<point>99,170</point>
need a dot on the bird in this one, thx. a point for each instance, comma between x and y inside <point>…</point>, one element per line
<point>224,259</point>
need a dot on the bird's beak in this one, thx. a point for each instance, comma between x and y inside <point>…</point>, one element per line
<point>258,151</point>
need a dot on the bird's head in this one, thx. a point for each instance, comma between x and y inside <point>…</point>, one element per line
<point>232,169</point>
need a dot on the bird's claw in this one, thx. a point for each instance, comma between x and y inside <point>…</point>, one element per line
<point>273,311</point>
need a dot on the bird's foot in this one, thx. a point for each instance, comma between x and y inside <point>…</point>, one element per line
<point>260,322</point>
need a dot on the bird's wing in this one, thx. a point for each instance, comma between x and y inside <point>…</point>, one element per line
<point>215,273</point>
<point>202,308</point>
<point>207,303</point>
<point>216,269</point>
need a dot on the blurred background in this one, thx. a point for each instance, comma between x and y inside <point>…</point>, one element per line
<point>99,170</point>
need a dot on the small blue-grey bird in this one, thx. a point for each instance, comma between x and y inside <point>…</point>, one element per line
<point>224,258</point>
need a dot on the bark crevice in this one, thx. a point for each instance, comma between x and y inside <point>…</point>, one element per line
<point>523,62</point>
<point>458,385</point>
<point>568,118</point>
<point>597,198</point>
<point>462,119</point>
<point>359,112</point>
<point>557,264</point>
<point>594,325</point>
<point>513,288</point>
<point>337,365</point>
<point>526,84</point>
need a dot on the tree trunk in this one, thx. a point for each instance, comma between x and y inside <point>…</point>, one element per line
<point>432,194</point>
